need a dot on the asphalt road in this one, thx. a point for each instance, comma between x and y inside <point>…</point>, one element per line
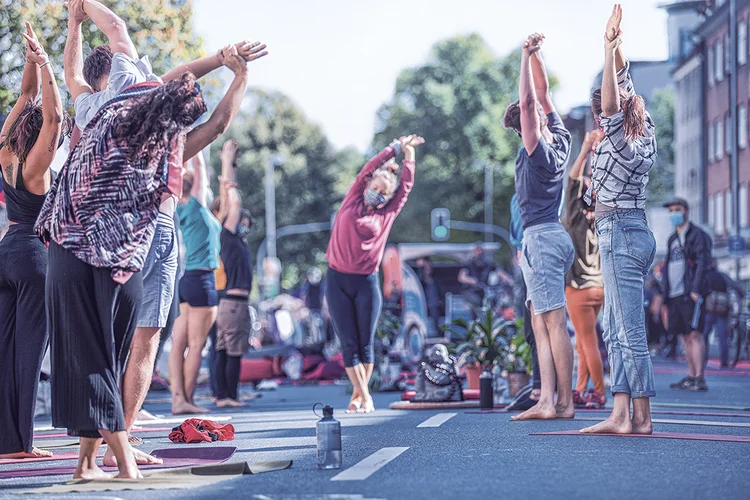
<point>467,455</point>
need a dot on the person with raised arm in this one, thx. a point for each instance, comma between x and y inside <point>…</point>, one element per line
<point>585,288</point>
<point>29,140</point>
<point>547,251</point>
<point>355,253</point>
<point>620,174</point>
<point>233,322</point>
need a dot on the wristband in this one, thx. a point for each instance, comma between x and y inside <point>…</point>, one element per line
<point>396,146</point>
<point>43,65</point>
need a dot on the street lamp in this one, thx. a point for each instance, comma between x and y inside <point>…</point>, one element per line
<point>488,196</point>
<point>274,161</point>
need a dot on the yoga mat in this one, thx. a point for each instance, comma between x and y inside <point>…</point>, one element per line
<point>697,406</point>
<point>653,412</point>
<point>55,444</point>
<point>70,455</point>
<point>65,435</point>
<point>181,418</point>
<point>183,478</point>
<point>681,422</point>
<point>173,458</point>
<point>657,435</point>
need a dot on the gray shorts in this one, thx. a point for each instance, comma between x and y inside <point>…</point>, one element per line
<point>548,253</point>
<point>159,273</point>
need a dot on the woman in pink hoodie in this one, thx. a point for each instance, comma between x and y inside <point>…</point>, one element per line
<point>354,255</point>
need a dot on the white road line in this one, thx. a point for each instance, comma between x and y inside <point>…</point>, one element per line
<point>370,465</point>
<point>437,420</point>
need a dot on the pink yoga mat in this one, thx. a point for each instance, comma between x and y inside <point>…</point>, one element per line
<point>69,455</point>
<point>653,412</point>
<point>173,458</point>
<point>657,435</point>
<point>134,431</point>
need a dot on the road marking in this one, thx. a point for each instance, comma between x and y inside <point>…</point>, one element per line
<point>370,465</point>
<point>437,420</point>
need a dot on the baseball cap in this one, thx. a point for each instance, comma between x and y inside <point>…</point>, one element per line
<point>678,202</point>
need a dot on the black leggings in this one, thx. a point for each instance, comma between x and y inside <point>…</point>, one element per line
<point>354,302</point>
<point>226,375</point>
<point>23,334</point>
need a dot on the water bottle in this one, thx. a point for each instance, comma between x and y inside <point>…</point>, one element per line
<point>485,390</point>
<point>328,431</point>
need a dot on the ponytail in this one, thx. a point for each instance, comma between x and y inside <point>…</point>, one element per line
<point>634,109</point>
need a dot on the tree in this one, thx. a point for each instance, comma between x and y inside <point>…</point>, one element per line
<point>307,185</point>
<point>456,101</point>
<point>161,29</point>
<point>661,177</point>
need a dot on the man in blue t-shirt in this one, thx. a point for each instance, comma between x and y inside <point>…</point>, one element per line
<point>547,251</point>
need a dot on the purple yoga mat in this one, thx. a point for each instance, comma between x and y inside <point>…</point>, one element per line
<point>658,435</point>
<point>69,455</point>
<point>653,412</point>
<point>173,458</point>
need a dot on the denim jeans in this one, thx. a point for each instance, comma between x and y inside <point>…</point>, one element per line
<point>721,323</point>
<point>548,253</point>
<point>627,251</point>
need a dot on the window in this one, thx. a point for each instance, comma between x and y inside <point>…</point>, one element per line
<point>711,140</point>
<point>743,205</point>
<point>710,66</point>
<point>711,212</point>
<point>727,55</point>
<point>719,213</point>
<point>719,70</point>
<point>742,126</point>
<point>741,42</point>
<point>719,139</point>
<point>729,210</point>
<point>728,128</point>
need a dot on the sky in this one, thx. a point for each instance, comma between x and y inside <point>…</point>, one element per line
<point>339,59</point>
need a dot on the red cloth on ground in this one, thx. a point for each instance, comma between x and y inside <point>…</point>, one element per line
<point>195,430</point>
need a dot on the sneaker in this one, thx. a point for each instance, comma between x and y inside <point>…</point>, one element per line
<point>579,401</point>
<point>685,383</point>
<point>699,385</point>
<point>595,400</point>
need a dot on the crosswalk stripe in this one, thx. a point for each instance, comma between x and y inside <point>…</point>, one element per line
<point>370,465</point>
<point>437,420</point>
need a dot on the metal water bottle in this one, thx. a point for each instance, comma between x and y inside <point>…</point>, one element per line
<point>328,431</point>
<point>485,390</point>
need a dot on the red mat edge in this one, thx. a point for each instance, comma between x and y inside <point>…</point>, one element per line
<point>655,435</point>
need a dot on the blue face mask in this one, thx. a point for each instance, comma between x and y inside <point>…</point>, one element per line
<point>374,199</point>
<point>677,218</point>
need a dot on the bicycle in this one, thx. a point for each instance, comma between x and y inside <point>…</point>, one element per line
<point>739,326</point>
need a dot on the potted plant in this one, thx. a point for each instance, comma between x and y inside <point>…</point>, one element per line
<point>518,364</point>
<point>485,342</point>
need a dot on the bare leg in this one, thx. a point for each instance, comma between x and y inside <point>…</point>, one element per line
<point>199,323</point>
<point>35,453</point>
<point>366,373</point>
<point>136,382</point>
<point>699,353</point>
<point>562,355</point>
<point>690,348</point>
<point>118,441</point>
<point>87,468</point>
<point>545,408</point>
<point>619,421</point>
<point>355,377</point>
<point>642,416</point>
<point>180,404</point>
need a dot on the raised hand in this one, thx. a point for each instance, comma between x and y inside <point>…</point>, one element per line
<point>229,152</point>
<point>76,14</point>
<point>612,45</point>
<point>533,43</point>
<point>230,58</point>
<point>251,51</point>
<point>34,51</point>
<point>613,24</point>
<point>408,143</point>
<point>592,139</point>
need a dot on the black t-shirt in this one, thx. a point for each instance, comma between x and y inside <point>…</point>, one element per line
<point>314,296</point>
<point>479,269</point>
<point>236,258</point>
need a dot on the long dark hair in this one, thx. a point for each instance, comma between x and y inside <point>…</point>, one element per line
<point>24,131</point>
<point>150,122</point>
<point>633,107</point>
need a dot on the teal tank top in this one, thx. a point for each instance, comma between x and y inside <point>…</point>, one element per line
<point>201,233</point>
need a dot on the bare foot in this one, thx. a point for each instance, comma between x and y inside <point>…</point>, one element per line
<point>368,406</point>
<point>564,411</point>
<point>129,473</point>
<point>615,424</point>
<point>645,427</point>
<point>91,473</point>
<point>35,453</point>
<point>228,403</point>
<point>355,405</point>
<point>537,412</point>
<point>186,408</point>
<point>141,458</point>
<point>143,415</point>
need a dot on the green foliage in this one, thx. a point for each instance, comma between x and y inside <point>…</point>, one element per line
<point>161,29</point>
<point>519,358</point>
<point>456,101</point>
<point>661,176</point>
<point>388,325</point>
<point>486,339</point>
<point>307,185</point>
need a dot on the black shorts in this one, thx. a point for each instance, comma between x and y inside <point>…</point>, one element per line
<point>198,289</point>
<point>682,314</point>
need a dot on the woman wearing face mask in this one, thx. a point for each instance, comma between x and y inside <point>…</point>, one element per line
<point>354,255</point>
<point>620,174</point>
<point>585,289</point>
<point>233,319</point>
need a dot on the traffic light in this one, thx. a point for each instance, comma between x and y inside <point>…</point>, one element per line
<point>441,224</point>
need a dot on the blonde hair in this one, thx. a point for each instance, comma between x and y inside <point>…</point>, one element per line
<point>388,175</point>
